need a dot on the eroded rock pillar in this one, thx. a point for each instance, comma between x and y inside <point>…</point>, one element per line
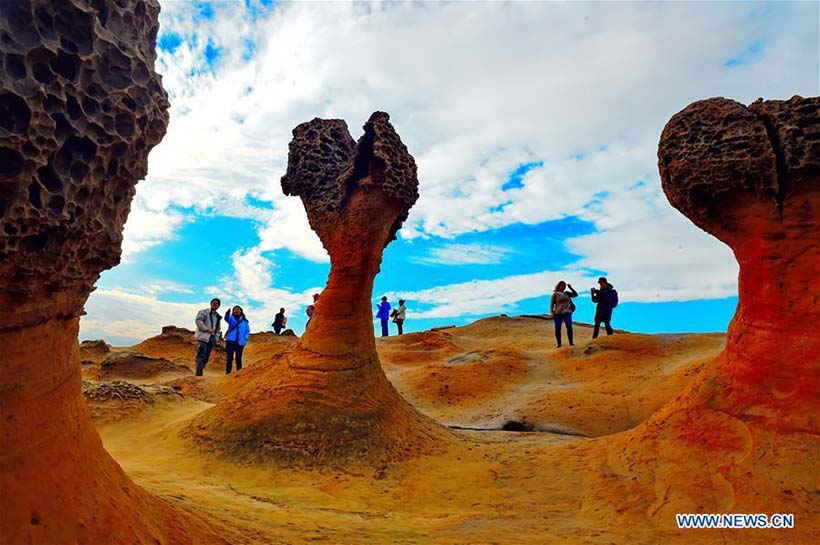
<point>751,177</point>
<point>80,108</point>
<point>329,400</point>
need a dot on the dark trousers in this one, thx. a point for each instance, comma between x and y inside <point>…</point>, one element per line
<point>598,329</point>
<point>231,348</point>
<point>400,326</point>
<point>277,329</point>
<point>602,315</point>
<point>565,319</point>
<point>385,332</point>
<point>203,354</point>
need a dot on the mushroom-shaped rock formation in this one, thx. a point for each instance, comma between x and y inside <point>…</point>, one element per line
<point>80,108</point>
<point>745,437</point>
<point>751,177</point>
<point>330,401</point>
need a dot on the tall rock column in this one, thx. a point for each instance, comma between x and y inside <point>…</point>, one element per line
<point>329,400</point>
<point>80,108</point>
<point>744,436</point>
<point>751,177</point>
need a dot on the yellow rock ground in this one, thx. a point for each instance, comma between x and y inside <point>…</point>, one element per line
<point>489,487</point>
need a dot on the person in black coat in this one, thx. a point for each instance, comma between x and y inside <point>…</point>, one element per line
<point>607,299</point>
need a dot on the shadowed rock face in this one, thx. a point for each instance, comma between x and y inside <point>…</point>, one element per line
<point>80,108</point>
<point>333,401</point>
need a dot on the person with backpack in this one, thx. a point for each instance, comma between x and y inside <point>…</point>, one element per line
<point>607,299</point>
<point>398,316</point>
<point>384,315</point>
<point>236,337</point>
<point>562,307</point>
<point>279,321</point>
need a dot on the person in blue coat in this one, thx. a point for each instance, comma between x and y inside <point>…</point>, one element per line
<point>384,315</point>
<point>236,337</point>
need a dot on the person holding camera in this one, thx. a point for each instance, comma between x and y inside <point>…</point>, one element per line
<point>606,299</point>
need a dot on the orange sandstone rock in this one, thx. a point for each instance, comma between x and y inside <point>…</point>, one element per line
<point>330,401</point>
<point>745,436</point>
<point>751,177</point>
<point>80,108</point>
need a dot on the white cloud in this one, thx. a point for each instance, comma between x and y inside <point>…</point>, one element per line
<point>124,318</point>
<point>146,228</point>
<point>475,90</point>
<point>490,296</point>
<point>250,286</point>
<point>466,254</point>
<point>667,259</point>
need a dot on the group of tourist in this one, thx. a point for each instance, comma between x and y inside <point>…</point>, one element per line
<point>604,296</point>
<point>209,321</point>
<point>385,313</point>
<point>209,328</point>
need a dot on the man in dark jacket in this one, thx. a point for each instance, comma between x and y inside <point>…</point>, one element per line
<point>606,298</point>
<point>279,321</point>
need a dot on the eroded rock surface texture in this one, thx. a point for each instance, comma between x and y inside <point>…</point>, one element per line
<point>331,401</point>
<point>745,437</point>
<point>80,108</point>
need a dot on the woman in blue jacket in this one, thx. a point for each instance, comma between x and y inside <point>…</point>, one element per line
<point>236,337</point>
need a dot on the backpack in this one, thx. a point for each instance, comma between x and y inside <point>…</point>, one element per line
<point>613,298</point>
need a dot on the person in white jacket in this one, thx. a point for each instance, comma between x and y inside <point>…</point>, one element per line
<point>207,332</point>
<point>399,313</point>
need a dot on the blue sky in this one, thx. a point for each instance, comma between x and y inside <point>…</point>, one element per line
<point>534,126</point>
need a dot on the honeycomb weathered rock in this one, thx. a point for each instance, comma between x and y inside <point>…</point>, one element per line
<point>325,165</point>
<point>80,108</point>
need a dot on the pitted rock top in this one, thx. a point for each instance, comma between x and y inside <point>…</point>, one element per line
<point>711,155</point>
<point>794,129</point>
<point>717,156</point>
<point>80,108</point>
<point>325,165</point>
<point>319,152</point>
<point>381,155</point>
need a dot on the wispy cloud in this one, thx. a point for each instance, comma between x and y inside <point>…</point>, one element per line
<point>578,93</point>
<point>466,254</point>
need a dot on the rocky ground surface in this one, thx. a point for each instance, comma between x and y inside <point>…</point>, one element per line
<point>545,484</point>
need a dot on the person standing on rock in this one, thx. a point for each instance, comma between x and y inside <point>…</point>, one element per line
<point>207,331</point>
<point>606,298</point>
<point>236,337</point>
<point>279,322</point>
<point>384,315</point>
<point>562,307</point>
<point>398,315</point>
